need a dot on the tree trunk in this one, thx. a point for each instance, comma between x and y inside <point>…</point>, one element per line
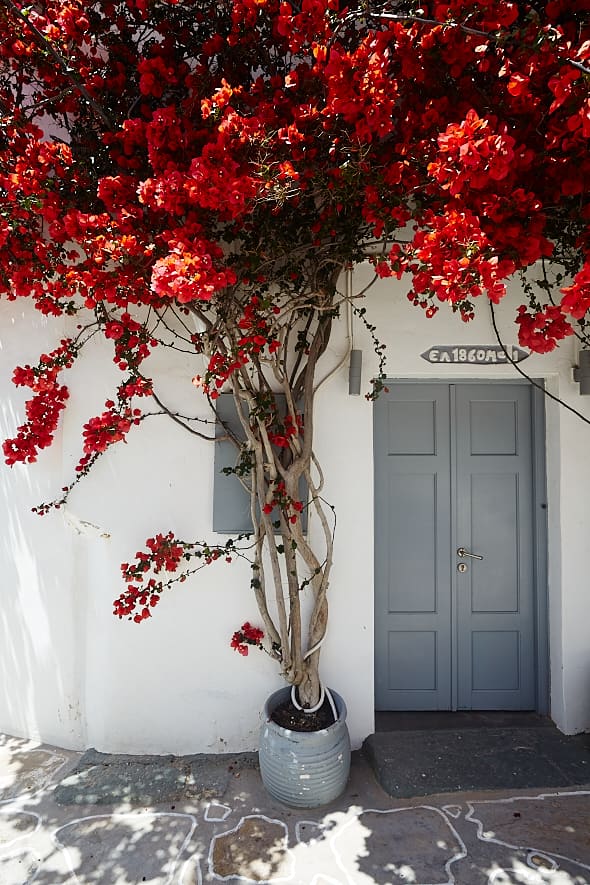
<point>308,691</point>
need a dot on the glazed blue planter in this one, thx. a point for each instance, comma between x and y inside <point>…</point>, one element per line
<point>304,769</point>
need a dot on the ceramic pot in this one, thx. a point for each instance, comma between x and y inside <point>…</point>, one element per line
<point>304,769</point>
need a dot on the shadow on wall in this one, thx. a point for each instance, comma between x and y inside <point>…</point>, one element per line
<point>40,669</point>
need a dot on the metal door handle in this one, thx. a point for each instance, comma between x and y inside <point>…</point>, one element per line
<point>461,551</point>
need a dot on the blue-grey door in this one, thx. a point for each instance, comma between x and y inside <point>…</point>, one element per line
<point>454,476</point>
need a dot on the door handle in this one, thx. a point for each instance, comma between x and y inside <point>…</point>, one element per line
<point>461,551</point>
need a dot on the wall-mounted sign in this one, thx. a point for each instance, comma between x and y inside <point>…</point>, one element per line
<point>480,354</point>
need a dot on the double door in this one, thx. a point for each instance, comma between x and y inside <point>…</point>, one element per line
<point>455,624</point>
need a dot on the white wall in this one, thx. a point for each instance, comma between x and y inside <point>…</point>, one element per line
<point>74,675</point>
<point>41,643</point>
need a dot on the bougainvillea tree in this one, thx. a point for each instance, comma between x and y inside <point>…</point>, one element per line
<point>200,174</point>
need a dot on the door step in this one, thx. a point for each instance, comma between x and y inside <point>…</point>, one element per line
<point>432,761</point>
<point>416,721</point>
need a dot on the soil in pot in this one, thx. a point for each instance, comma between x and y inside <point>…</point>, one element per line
<point>288,716</point>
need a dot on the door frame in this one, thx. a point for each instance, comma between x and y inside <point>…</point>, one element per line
<point>539,504</point>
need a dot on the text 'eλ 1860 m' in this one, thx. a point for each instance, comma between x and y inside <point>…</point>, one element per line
<point>480,354</point>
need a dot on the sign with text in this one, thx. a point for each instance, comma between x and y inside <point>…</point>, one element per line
<point>479,354</point>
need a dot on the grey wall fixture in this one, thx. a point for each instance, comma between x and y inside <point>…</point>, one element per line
<point>231,501</point>
<point>354,372</point>
<point>582,372</point>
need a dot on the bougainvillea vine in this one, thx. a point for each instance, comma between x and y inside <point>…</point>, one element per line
<point>199,176</point>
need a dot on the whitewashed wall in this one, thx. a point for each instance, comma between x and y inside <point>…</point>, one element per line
<point>72,674</point>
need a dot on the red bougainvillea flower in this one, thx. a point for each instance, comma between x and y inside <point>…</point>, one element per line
<point>541,331</point>
<point>44,409</point>
<point>247,635</point>
<point>576,298</point>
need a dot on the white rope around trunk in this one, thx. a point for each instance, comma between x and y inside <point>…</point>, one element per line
<point>324,692</point>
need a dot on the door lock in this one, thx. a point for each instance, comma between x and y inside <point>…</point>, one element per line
<point>462,567</point>
<point>461,551</point>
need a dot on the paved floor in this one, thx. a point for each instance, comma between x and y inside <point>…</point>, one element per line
<point>114,820</point>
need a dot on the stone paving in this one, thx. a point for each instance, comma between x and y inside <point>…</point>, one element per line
<point>99,820</point>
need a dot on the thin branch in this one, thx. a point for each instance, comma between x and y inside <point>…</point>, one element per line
<point>578,65</point>
<point>162,320</point>
<point>38,104</point>
<point>299,356</point>
<point>178,420</point>
<point>391,16</point>
<point>416,19</point>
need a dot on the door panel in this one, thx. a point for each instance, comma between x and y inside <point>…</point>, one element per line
<point>454,469</point>
<point>413,534</point>
<point>495,596</point>
<point>494,512</point>
<point>412,551</point>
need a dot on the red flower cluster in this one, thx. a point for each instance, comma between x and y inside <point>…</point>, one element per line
<point>44,409</point>
<point>165,553</point>
<point>455,259</point>
<point>540,331</point>
<point>281,432</point>
<point>290,508</point>
<point>189,274</point>
<point>140,602</point>
<point>218,182</point>
<point>576,298</point>
<point>245,636</point>
<point>361,88</point>
<point>102,431</point>
<point>473,153</point>
<point>257,320</point>
<point>155,76</point>
<point>132,341</point>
